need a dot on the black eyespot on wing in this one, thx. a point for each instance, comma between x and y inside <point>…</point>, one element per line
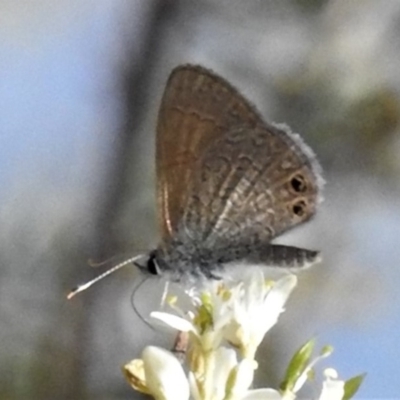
<point>298,183</point>
<point>299,208</point>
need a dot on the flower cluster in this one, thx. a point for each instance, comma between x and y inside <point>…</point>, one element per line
<point>229,322</point>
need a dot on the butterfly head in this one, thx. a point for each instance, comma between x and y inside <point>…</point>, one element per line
<point>148,264</point>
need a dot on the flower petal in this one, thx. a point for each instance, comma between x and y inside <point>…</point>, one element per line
<point>134,373</point>
<point>256,307</point>
<point>262,394</point>
<point>165,377</point>
<point>280,292</point>
<point>243,379</point>
<point>225,361</point>
<point>194,389</point>
<point>173,321</point>
<point>332,390</point>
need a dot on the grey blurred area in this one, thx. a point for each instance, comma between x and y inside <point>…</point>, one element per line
<point>80,85</point>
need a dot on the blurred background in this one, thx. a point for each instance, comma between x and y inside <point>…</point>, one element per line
<point>80,85</point>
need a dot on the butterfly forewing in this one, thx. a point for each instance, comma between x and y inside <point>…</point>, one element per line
<point>197,108</point>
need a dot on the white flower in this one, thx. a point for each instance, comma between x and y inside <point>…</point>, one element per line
<point>257,305</point>
<point>220,365</point>
<point>241,313</point>
<point>228,323</point>
<point>213,313</point>
<point>226,378</point>
<point>332,387</point>
<point>158,373</point>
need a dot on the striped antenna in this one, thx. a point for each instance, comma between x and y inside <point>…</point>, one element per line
<point>84,286</point>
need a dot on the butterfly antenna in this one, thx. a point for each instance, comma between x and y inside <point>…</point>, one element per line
<point>134,306</point>
<point>84,286</point>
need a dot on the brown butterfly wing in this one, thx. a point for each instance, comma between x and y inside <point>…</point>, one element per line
<point>197,107</point>
<point>251,185</point>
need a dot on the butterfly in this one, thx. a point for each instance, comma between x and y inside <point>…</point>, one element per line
<point>228,183</point>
